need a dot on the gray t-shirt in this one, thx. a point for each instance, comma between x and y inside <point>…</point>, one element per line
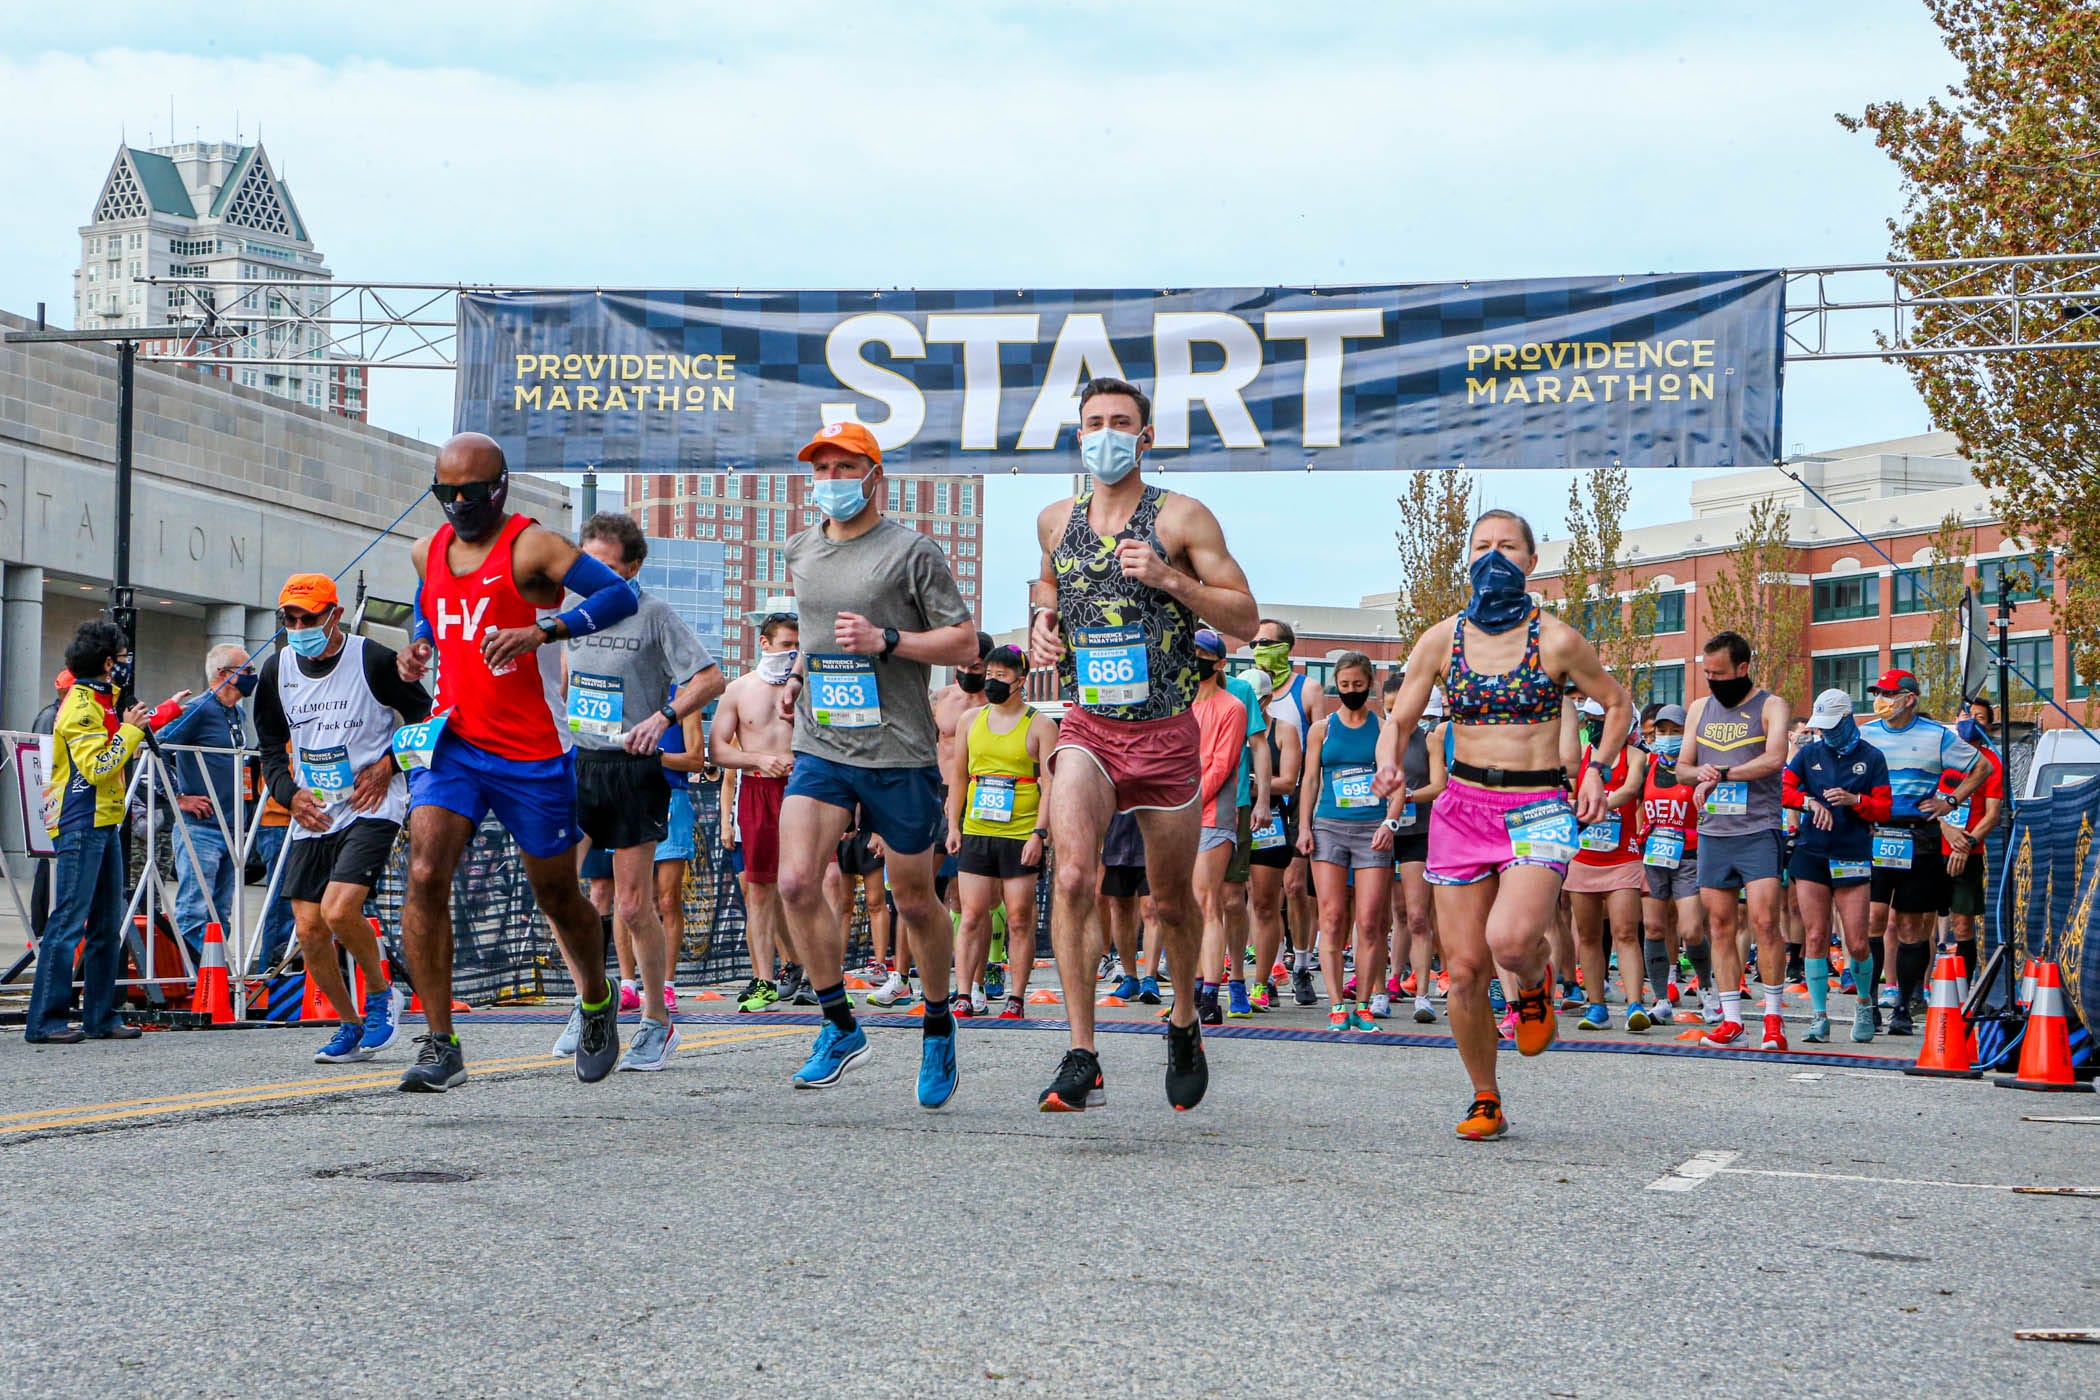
<point>621,676</point>
<point>894,577</point>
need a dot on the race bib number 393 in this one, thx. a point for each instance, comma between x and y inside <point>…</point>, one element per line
<point>1112,665</point>
<point>843,693</point>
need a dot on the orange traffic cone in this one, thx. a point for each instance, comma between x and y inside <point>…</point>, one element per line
<point>1043,997</point>
<point>315,1006</point>
<point>2045,1049</point>
<point>1949,1051</point>
<point>213,997</point>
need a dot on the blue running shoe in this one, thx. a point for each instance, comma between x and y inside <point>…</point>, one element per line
<point>1126,989</point>
<point>1497,1002</point>
<point>1638,1019</point>
<point>1148,990</point>
<point>1596,1018</point>
<point>1239,1008</point>
<point>994,982</point>
<point>382,1020</point>
<point>938,1075</point>
<point>348,1047</point>
<point>834,1053</point>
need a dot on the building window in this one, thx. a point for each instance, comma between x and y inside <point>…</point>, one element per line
<point>1665,686</point>
<point>1908,658</point>
<point>891,492</point>
<point>1848,596</point>
<point>1849,673</point>
<point>940,498</point>
<point>2078,687</point>
<point>1910,592</point>
<point>2025,576</point>
<point>1669,613</point>
<point>969,499</point>
<point>2034,668</point>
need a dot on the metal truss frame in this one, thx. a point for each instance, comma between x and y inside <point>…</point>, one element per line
<point>1846,311</point>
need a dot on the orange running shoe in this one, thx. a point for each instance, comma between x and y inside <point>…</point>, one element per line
<point>1407,984</point>
<point>1483,1120</point>
<point>1536,1025</point>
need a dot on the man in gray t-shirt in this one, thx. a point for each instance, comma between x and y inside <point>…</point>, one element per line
<point>627,687</point>
<point>879,610</point>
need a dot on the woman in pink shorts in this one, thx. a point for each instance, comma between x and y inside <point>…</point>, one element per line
<point>1502,832</point>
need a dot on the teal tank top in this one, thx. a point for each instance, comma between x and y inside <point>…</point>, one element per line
<point>1348,759</point>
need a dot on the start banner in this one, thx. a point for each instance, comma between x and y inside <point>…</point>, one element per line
<point>1679,370</point>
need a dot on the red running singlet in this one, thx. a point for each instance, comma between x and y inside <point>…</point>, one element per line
<point>514,712</point>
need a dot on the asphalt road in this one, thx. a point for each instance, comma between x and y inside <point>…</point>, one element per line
<point>211,1214</point>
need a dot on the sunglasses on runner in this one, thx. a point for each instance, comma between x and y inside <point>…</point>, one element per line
<point>293,617</point>
<point>448,493</point>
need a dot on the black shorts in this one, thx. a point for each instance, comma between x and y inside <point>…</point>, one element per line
<point>1922,889</point>
<point>1814,869</point>
<point>1123,881</point>
<point>1242,841</point>
<point>1965,891</point>
<point>355,855</point>
<point>1410,849</point>
<point>996,857</point>
<point>622,799</point>
<point>857,857</point>
<point>1277,857</point>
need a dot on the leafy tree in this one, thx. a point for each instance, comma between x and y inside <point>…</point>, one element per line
<point>1638,645</point>
<point>1437,509</point>
<point>1757,597</point>
<point>1589,571</point>
<point>2008,163</point>
<point>1942,589</point>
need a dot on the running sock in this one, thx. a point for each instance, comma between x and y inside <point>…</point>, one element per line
<point>1863,972</point>
<point>1911,961</point>
<point>1301,961</point>
<point>1659,967</point>
<point>1968,959</point>
<point>1775,1002</point>
<point>939,1020</point>
<point>1794,961</point>
<point>611,991</point>
<point>605,923</point>
<point>1702,955</point>
<point>838,1008</point>
<point>1732,1007</point>
<point>1818,985</point>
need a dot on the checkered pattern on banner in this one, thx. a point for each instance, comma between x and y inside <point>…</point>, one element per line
<point>1409,397</point>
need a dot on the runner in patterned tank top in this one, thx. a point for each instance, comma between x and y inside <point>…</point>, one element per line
<point>1734,751</point>
<point>1128,571</point>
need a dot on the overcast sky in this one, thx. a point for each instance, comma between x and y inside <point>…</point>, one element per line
<point>963,143</point>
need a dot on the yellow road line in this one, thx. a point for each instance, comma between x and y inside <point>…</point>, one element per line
<point>310,1088</point>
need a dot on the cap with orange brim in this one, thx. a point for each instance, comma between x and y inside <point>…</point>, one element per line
<point>312,593</point>
<point>848,435</point>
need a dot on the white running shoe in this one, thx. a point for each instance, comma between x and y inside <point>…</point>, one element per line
<point>892,991</point>
<point>978,1005</point>
<point>1381,1006</point>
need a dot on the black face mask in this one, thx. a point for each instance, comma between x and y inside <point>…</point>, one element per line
<point>970,681</point>
<point>1592,731</point>
<point>1732,693</point>
<point>475,520</point>
<point>1205,668</point>
<point>998,692</point>
<point>1354,699</point>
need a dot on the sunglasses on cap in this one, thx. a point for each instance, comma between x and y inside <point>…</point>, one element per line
<point>450,493</point>
<point>771,618</point>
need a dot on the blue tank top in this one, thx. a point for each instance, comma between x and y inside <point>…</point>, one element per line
<point>1348,759</point>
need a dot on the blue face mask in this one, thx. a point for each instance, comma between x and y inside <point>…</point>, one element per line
<point>635,585</point>
<point>1972,732</point>
<point>1667,745</point>
<point>1109,455</point>
<point>1499,601</point>
<point>244,683</point>
<point>120,674</point>
<point>1842,735</point>
<point>840,499</point>
<point>309,642</point>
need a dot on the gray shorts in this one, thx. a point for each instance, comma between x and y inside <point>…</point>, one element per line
<point>1681,883</point>
<point>1347,844</point>
<point>1216,836</point>
<point>1731,862</point>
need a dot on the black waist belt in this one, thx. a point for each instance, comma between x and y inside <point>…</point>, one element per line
<point>1508,777</point>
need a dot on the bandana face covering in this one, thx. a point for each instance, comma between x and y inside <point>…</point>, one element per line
<point>1499,601</point>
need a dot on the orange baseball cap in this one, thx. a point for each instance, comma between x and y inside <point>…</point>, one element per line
<point>312,592</point>
<point>851,436</point>
<point>64,680</point>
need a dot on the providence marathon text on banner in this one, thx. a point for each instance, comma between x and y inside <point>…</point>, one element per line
<point>1677,370</point>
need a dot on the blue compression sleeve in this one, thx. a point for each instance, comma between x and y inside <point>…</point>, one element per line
<point>421,631</point>
<point>606,597</point>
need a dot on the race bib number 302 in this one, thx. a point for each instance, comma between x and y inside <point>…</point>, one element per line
<point>843,693</point>
<point>1112,665</point>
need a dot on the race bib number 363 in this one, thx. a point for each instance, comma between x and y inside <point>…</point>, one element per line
<point>1112,665</point>
<point>843,692</point>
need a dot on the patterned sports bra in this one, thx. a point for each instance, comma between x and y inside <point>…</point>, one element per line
<point>1526,695</point>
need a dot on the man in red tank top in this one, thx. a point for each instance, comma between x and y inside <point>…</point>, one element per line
<point>485,610</point>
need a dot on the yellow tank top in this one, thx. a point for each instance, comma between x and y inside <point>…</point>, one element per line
<point>1002,779</point>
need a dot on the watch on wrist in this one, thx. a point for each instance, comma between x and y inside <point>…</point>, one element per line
<point>547,626</point>
<point>889,641</point>
<point>1043,831</point>
<point>1395,825</point>
<point>669,711</point>
<point>1601,768</point>
<point>1724,775</point>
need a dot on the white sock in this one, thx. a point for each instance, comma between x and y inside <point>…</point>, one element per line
<point>1732,1007</point>
<point>1774,1002</point>
<point>627,984</point>
<point>1302,960</point>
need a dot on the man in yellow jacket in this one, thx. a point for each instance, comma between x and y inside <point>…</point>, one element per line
<point>92,746</point>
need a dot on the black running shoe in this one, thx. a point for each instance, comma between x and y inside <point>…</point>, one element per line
<point>1208,1012</point>
<point>1188,1072</point>
<point>1900,1022</point>
<point>598,1046</point>
<point>439,1066</point>
<point>1302,987</point>
<point>790,982</point>
<point>1077,1086</point>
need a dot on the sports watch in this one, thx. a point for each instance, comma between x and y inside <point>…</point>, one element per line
<point>889,641</point>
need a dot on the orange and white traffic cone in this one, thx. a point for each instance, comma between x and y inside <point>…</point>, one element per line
<point>315,1006</point>
<point>213,996</point>
<point>2045,1049</point>
<point>1949,1050</point>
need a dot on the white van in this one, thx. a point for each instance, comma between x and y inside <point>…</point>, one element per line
<point>2061,757</point>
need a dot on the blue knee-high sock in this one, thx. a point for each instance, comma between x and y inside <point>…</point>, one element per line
<point>1863,979</point>
<point>1819,985</point>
